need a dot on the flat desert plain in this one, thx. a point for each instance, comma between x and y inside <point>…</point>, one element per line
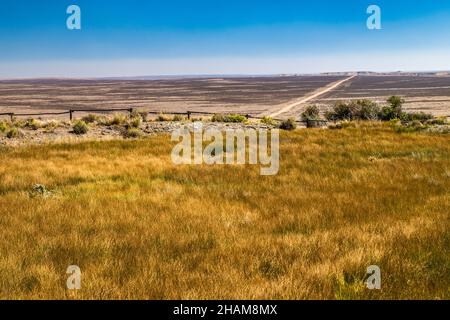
<point>251,95</point>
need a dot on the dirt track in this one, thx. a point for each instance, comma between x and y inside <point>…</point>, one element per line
<point>310,97</point>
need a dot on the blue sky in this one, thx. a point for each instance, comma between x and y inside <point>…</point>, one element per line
<point>131,38</point>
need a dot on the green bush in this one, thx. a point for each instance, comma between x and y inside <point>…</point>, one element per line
<point>12,133</point>
<point>3,126</point>
<point>438,121</point>
<point>396,102</point>
<point>340,111</point>
<point>235,118</point>
<point>268,121</point>
<point>366,110</point>
<point>311,113</point>
<point>288,124</point>
<point>80,127</point>
<point>388,113</point>
<point>354,110</point>
<point>393,111</point>
<point>412,126</point>
<point>413,116</point>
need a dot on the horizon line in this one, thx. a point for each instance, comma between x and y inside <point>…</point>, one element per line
<point>230,75</point>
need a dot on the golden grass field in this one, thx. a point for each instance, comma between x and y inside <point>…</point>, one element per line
<point>140,227</point>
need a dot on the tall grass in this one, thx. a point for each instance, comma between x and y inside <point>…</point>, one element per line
<point>140,227</point>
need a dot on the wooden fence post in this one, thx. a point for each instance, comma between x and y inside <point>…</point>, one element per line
<point>11,115</point>
<point>189,115</point>
<point>71,114</point>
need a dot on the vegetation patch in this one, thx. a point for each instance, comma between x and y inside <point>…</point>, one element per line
<point>234,118</point>
<point>80,127</point>
<point>288,124</point>
<point>311,113</point>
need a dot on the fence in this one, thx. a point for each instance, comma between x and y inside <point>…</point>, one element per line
<point>71,113</point>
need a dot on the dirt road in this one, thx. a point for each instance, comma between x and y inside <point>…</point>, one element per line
<point>310,97</point>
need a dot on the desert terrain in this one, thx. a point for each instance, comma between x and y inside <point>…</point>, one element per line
<point>258,96</point>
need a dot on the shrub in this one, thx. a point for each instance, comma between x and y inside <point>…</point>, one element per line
<point>388,113</point>
<point>311,113</point>
<point>118,119</point>
<point>3,126</point>
<point>413,116</point>
<point>354,110</point>
<point>396,102</point>
<point>143,115</point>
<point>288,124</point>
<point>18,123</point>
<point>162,117</point>
<point>235,118</point>
<point>438,121</point>
<point>50,126</point>
<point>268,120</point>
<point>80,127</point>
<point>132,133</point>
<point>33,124</point>
<point>394,110</point>
<point>135,122</point>
<point>218,118</point>
<point>90,118</point>
<point>340,111</point>
<point>12,133</point>
<point>39,190</point>
<point>178,117</point>
<point>412,126</point>
<point>366,110</point>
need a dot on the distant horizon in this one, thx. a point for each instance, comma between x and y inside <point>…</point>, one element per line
<point>199,76</point>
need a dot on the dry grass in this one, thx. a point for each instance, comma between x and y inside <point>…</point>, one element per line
<point>140,227</point>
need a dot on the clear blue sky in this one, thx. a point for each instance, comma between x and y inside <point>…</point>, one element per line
<point>137,37</point>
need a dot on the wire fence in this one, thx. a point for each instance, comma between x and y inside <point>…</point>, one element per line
<point>188,114</point>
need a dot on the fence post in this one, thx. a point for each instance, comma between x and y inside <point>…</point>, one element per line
<point>189,115</point>
<point>11,115</point>
<point>71,114</point>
